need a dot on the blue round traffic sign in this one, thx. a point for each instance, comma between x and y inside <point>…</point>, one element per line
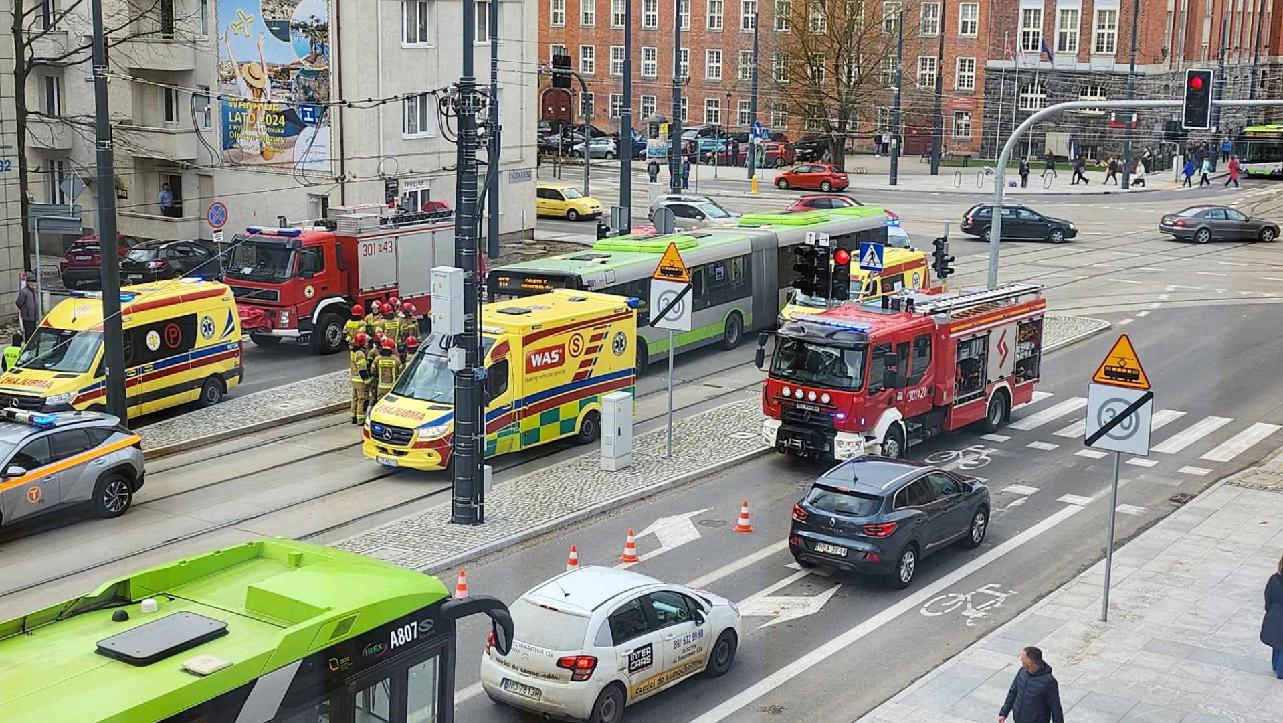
<point>216,214</point>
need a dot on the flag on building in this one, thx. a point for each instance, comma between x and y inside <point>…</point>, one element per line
<point>1047,51</point>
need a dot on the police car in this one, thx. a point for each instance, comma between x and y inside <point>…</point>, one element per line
<point>590,641</point>
<point>52,460</point>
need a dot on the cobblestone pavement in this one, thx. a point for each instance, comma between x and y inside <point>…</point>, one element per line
<point>1181,643</point>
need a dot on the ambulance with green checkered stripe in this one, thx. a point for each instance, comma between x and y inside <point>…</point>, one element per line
<point>549,360</point>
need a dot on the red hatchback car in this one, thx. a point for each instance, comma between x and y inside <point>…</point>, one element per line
<point>822,202</point>
<point>81,265</point>
<point>819,176</point>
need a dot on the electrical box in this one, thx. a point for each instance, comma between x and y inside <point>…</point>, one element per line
<point>616,431</point>
<point>447,300</point>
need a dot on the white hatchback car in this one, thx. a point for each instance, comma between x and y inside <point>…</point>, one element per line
<point>590,641</point>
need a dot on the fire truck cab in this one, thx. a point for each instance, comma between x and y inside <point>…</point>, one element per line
<point>864,379</point>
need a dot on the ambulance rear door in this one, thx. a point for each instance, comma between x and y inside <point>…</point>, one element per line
<point>503,390</point>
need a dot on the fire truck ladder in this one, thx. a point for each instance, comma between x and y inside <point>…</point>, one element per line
<point>973,301</point>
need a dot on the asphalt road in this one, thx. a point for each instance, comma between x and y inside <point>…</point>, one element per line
<point>867,642</point>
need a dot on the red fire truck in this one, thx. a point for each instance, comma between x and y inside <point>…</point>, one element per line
<point>300,283</point>
<point>861,379</point>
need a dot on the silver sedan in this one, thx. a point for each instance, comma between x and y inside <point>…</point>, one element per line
<point>1204,223</point>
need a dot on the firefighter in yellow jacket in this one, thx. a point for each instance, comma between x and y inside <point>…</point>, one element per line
<point>359,373</point>
<point>371,318</point>
<point>354,325</point>
<point>409,321</point>
<point>387,367</point>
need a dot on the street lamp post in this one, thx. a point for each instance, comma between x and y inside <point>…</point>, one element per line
<point>937,124</point>
<point>675,123</point>
<point>895,109</point>
<point>1131,93</point>
<point>626,127</point>
<point>752,104</point>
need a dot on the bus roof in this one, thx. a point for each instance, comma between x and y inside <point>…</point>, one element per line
<point>83,311</point>
<point>612,254</point>
<point>814,218</point>
<point>281,601</point>
<point>1275,128</point>
<point>545,311</point>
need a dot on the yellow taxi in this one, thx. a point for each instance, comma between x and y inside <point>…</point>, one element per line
<point>563,200</point>
<point>902,269</point>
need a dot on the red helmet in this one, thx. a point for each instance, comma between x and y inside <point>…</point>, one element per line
<point>389,344</point>
<point>408,308</point>
<point>358,311</point>
<point>387,309</point>
<point>361,339</point>
<point>395,302</point>
<point>412,342</point>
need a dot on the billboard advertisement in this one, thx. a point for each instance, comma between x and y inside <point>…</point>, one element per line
<point>274,83</point>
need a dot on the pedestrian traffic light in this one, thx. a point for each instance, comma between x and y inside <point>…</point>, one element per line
<point>1198,99</point>
<point>941,261</point>
<point>805,278</point>
<point>561,71</point>
<point>840,284</point>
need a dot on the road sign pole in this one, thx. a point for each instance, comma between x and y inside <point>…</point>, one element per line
<point>669,455</point>
<point>1109,544</point>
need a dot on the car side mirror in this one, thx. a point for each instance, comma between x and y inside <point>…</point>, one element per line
<point>759,357</point>
<point>501,625</point>
<point>14,470</point>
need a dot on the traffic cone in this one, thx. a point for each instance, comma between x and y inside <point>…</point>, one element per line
<point>572,563</point>
<point>630,549</point>
<point>461,587</point>
<point>743,525</point>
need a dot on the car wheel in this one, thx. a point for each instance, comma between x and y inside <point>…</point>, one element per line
<point>1203,235</point>
<point>265,339</point>
<point>979,526</point>
<point>572,215</point>
<point>589,428</point>
<point>112,495</point>
<point>893,443</point>
<point>609,155</point>
<point>723,655</point>
<point>211,393</point>
<point>734,332</point>
<point>826,186</point>
<point>905,568</point>
<point>998,412</point>
<point>609,706</point>
<point>1057,236</point>
<point>1268,234</point>
<point>327,336</point>
<point>987,234</point>
<point>643,357</point>
<point>782,183</point>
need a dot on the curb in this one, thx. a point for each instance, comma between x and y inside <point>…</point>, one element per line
<point>638,494</point>
<point>1102,327</point>
<point>216,437</point>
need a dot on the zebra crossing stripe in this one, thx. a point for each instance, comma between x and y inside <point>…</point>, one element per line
<point>1196,471</point>
<point>1090,453</point>
<point>1164,417</point>
<point>1037,397</point>
<point>1130,509</point>
<point>1241,442</point>
<point>1183,439</point>
<point>1139,462</point>
<point>1020,490</point>
<point>1076,430</point>
<point>1075,500</point>
<point>1055,411</point>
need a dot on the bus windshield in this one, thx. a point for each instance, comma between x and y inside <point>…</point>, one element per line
<point>826,366</point>
<point>61,350</point>
<point>258,259</point>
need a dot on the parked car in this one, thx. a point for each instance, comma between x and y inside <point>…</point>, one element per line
<point>156,260</point>
<point>815,176</point>
<point>81,265</point>
<point>822,202</point>
<point>598,148</point>
<point>776,155</point>
<point>565,201</point>
<point>881,516</point>
<point>1018,222</point>
<point>692,211</point>
<point>1204,223</point>
<point>811,148</point>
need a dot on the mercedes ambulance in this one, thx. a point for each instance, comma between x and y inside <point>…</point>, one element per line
<point>549,359</point>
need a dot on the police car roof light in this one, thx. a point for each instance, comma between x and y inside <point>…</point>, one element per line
<point>128,296</point>
<point>24,417</point>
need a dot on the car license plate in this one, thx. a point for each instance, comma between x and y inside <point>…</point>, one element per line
<point>830,549</point>
<point>82,258</point>
<point>387,461</point>
<point>521,689</point>
<point>133,277</point>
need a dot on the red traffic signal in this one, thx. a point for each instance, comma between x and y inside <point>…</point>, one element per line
<point>1197,111</point>
<point>1196,82</point>
<point>841,257</point>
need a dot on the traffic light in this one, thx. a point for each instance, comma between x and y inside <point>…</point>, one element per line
<point>561,71</point>
<point>940,259</point>
<point>840,285</point>
<point>1198,99</point>
<point>805,278</point>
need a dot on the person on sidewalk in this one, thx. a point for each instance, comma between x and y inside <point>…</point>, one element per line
<point>1049,164</point>
<point>1188,172</point>
<point>28,310</point>
<point>1111,171</point>
<point>359,374</point>
<point>652,169</point>
<point>1024,172</point>
<point>1079,164</point>
<point>1138,178</point>
<point>12,352</point>
<point>1234,171</point>
<point>686,173</point>
<point>1034,696</point>
<point>1272,625</point>
<point>1206,170</point>
<point>1226,147</point>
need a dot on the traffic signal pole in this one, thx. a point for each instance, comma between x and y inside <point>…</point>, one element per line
<point>1131,93</point>
<point>752,102</point>
<point>675,123</point>
<point>626,127</point>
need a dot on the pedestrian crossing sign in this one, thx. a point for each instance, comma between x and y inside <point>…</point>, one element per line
<point>871,256</point>
<point>671,267</point>
<point>1121,367</point>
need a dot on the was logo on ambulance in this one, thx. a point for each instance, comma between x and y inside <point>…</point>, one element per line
<point>538,360</point>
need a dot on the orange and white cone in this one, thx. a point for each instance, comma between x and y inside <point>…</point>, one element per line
<point>630,548</point>
<point>572,563</point>
<point>743,525</point>
<point>461,587</point>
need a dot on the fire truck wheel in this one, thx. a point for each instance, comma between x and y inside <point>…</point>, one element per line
<point>734,332</point>
<point>265,339</point>
<point>999,411</point>
<point>589,428</point>
<point>327,336</point>
<point>893,442</point>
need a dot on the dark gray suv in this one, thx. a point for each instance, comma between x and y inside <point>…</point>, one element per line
<point>880,516</point>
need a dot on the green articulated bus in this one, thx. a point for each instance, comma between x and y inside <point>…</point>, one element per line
<point>740,274</point>
<point>1260,150</point>
<point>267,631</point>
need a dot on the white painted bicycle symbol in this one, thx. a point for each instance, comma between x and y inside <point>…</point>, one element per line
<point>974,457</point>
<point>991,597</point>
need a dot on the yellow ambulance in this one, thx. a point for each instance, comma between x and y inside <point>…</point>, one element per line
<point>182,341</point>
<point>549,359</point>
<point>902,269</point>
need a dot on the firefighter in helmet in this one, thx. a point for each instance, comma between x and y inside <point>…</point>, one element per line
<point>387,367</point>
<point>409,349</point>
<point>409,320</point>
<point>356,324</point>
<point>359,373</point>
<point>389,325</point>
<point>371,316</point>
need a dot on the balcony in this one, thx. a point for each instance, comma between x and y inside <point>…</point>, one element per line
<point>155,53</point>
<point>48,134</point>
<point>170,144</point>
<point>146,225</point>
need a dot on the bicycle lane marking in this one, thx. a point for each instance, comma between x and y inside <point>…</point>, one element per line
<point>944,604</point>
<point>853,635</point>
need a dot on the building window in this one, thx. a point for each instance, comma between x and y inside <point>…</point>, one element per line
<point>47,15</point>
<point>744,113</point>
<point>782,10</point>
<point>587,103</point>
<point>1067,30</point>
<point>650,14</point>
<point>685,105</point>
<point>557,49</point>
<point>715,14</point>
<point>684,63</point>
<point>884,118</point>
<point>647,105</point>
<point>650,62</point>
<point>779,118</point>
<point>962,124</point>
<point>745,71</point>
<point>416,22</point>
<point>712,110</point>
<point>616,104</point>
<point>617,14</point>
<point>482,8</point>
<point>1031,30</point>
<point>965,78</point>
<point>969,19</point>
<point>1091,93</point>
<point>779,67</point>
<point>815,68</point>
<point>587,59</point>
<point>587,13</point>
<point>419,118</point>
<point>201,101</point>
<point>616,60</point>
<point>712,65</point>
<point>686,14</point>
<point>166,18</point>
<point>1033,96</point>
<point>930,25</point>
<point>926,71</point>
<point>817,20</point>
<point>887,69</point>
<point>202,19</point>
<point>169,98</point>
<point>891,12</point>
<point>52,106</point>
<point>1106,42</point>
<point>55,172</point>
<point>748,15</point>
<point>557,13</point>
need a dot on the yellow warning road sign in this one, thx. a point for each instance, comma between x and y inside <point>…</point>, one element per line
<point>671,267</point>
<point>1121,367</point>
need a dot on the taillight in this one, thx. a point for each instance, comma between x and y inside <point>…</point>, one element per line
<point>489,641</point>
<point>1179,222</point>
<point>581,667</point>
<point>800,514</point>
<point>966,221</point>
<point>159,264</point>
<point>880,529</point>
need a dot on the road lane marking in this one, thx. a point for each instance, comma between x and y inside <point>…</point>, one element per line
<point>1141,462</point>
<point>737,565</point>
<point>1090,453</point>
<point>1241,442</point>
<point>1196,471</point>
<point>1272,278</point>
<point>1044,446</point>
<point>1211,273</point>
<point>1183,439</point>
<point>1152,268</point>
<point>1074,500</point>
<point>1077,429</point>
<point>1125,322</point>
<point>1142,314</point>
<point>1038,419</point>
<point>1025,490</point>
<point>907,604</point>
<point>1130,509</point>
<point>1037,397</point>
<point>995,437</point>
<point>1164,417</point>
<point>1124,281</point>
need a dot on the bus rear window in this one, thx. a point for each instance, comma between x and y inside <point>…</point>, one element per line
<point>544,627</point>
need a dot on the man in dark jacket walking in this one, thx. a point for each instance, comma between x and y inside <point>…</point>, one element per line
<point>1035,695</point>
<point>1272,625</point>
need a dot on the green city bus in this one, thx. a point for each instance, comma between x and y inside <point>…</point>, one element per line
<point>739,274</point>
<point>271,630</point>
<point>1260,150</point>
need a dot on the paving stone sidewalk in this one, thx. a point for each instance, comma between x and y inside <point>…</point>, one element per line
<point>1181,643</point>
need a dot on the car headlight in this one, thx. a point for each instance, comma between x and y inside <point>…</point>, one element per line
<point>1073,227</point>
<point>64,398</point>
<point>437,430</point>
